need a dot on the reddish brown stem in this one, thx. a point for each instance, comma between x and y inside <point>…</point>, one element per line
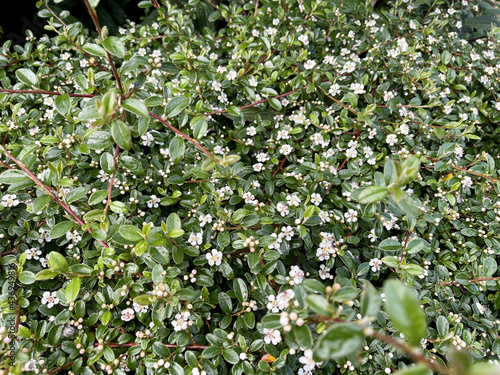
<point>479,279</point>
<point>45,92</point>
<point>5,165</point>
<point>415,355</point>
<point>185,136</point>
<point>93,15</point>
<point>280,166</point>
<point>48,191</point>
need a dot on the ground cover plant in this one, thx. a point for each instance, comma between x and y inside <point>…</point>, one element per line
<point>267,187</point>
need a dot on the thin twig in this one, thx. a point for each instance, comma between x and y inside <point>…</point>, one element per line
<point>256,9</point>
<point>47,190</point>
<point>78,47</point>
<point>479,279</point>
<point>212,4</point>
<point>93,15</point>
<point>177,131</point>
<point>280,166</point>
<point>415,355</point>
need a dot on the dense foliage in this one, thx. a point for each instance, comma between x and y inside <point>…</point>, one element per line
<point>271,187</point>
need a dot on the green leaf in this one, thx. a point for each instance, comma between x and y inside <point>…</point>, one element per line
<point>60,229</point>
<point>410,169</point>
<point>131,233</point>
<point>303,336</point>
<point>72,289</point>
<point>99,140</point>
<point>214,16</point>
<point>121,134</point>
<point>141,247</point>
<point>225,303</point>
<point>118,207</point>
<point>370,301</point>
<point>12,176</point>
<point>230,355</point>
<point>57,262</point>
<point>404,310</point>
<point>177,148</point>
<point>276,104</point>
<point>176,232</point>
<point>370,194</point>
<point>390,244</point>
<point>208,164</point>
<point>114,46</point>
<point>136,106</point>
<point>340,340</point>
<point>40,203</point>
<point>46,275</point>
<point>320,305</point>
<point>200,126</point>
<point>144,299</point>
<point>27,77</point>
<point>240,288</point>
<point>176,106</point>
<point>94,49</point>
<point>442,325</point>
<point>63,104</point>
<point>27,277</point>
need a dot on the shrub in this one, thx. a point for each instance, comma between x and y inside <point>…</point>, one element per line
<point>237,187</point>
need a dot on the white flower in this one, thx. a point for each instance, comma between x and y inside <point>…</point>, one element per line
<point>273,304</point>
<point>10,200</point>
<point>310,64</point>
<point>284,297</point>
<point>334,89</point>
<point>391,139</point>
<point>181,321</point>
<point>33,253</point>
<point>304,39</point>
<point>282,209</point>
<point>147,139</point>
<point>467,181</point>
<point>140,308</point>
<point>324,273</point>
<point>253,82</point>
<point>251,131</point>
<point>351,153</point>
<point>324,216</point>
<point>216,86</point>
<point>231,75</point>
<point>153,202</point>
<point>293,200</point>
<point>195,238</point>
<point>481,308</point>
<point>375,264</point>
<point>308,361</point>
<point>128,315</point>
<point>372,236</point>
<point>316,199</point>
<point>49,299</point>
<point>205,219</point>
<point>358,88</point>
<point>286,149</point>
<point>214,258</point>
<point>272,336</point>
<point>44,262</point>
<point>296,274</point>
<point>351,216</point>
<point>497,105</point>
